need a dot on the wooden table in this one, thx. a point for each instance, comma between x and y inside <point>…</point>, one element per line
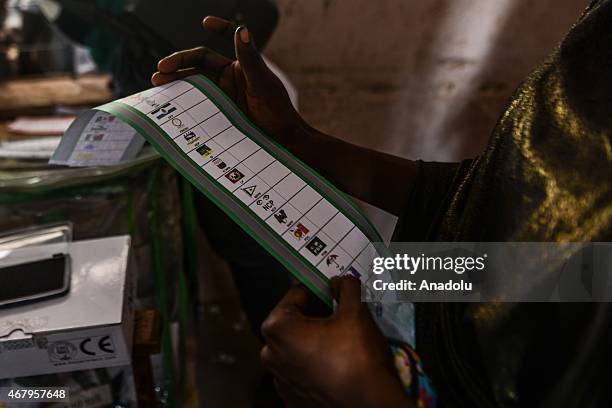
<point>40,96</point>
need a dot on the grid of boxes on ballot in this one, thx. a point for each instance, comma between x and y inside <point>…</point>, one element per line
<point>293,209</point>
<point>96,147</point>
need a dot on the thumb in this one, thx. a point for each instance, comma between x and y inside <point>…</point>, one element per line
<point>347,292</point>
<point>251,61</point>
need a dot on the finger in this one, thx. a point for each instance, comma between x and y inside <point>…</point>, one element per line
<point>220,26</point>
<point>267,357</point>
<point>200,57</point>
<point>295,298</point>
<point>242,96</point>
<point>347,292</point>
<point>286,318</point>
<point>253,65</point>
<point>316,309</point>
<point>271,361</point>
<point>181,59</point>
<point>159,78</point>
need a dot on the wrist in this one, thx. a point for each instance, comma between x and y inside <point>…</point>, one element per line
<point>305,142</point>
<point>299,136</point>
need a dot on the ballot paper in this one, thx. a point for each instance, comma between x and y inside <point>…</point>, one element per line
<point>101,140</point>
<point>40,126</point>
<point>311,227</point>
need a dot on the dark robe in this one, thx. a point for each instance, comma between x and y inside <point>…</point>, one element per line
<point>546,175</point>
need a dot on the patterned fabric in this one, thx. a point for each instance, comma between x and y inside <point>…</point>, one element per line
<point>416,383</point>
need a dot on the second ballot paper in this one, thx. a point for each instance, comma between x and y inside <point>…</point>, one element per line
<point>306,223</point>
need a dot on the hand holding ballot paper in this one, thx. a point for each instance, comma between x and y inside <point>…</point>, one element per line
<point>248,81</point>
<point>305,222</point>
<point>259,93</point>
<point>229,128</point>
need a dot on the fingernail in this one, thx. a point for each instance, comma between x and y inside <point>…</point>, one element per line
<point>244,35</point>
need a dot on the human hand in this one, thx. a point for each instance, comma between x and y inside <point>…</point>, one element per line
<point>340,360</point>
<point>247,80</point>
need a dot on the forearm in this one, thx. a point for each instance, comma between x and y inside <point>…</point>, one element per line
<point>380,179</point>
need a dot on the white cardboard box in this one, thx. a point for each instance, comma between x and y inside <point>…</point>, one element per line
<point>89,327</point>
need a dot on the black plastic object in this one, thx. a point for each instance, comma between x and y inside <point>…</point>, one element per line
<point>36,280</point>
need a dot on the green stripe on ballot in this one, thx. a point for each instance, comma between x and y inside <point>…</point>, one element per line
<point>306,223</point>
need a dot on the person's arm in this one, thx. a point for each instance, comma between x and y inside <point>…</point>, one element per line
<point>377,178</point>
<point>380,179</point>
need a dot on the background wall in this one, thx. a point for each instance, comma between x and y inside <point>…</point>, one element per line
<point>421,79</point>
